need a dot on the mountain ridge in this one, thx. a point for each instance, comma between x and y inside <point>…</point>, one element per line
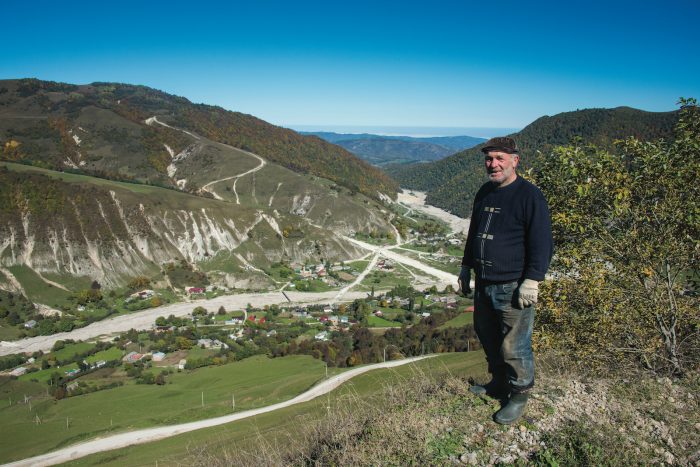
<point>381,149</point>
<point>452,182</point>
<point>64,104</point>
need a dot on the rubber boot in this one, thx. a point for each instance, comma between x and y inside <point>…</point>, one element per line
<point>495,388</point>
<point>513,410</point>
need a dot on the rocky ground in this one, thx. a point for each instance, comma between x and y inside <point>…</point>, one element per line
<point>571,419</point>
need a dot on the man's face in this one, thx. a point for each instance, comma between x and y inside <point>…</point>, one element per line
<point>500,167</point>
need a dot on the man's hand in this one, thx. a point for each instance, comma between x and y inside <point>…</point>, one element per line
<point>527,293</point>
<point>465,277</point>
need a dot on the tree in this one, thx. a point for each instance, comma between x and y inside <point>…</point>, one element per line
<point>627,241</point>
<point>139,282</point>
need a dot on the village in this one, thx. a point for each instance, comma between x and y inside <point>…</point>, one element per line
<point>216,337</point>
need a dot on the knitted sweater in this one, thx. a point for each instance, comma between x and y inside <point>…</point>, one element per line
<point>510,234</point>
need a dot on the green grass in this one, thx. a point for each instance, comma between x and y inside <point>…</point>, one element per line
<point>276,427</point>
<point>461,320</point>
<point>36,289</point>
<point>311,285</point>
<point>256,382</point>
<point>358,266</point>
<point>42,376</point>
<point>9,333</point>
<point>71,350</point>
<point>108,355</point>
<point>377,322</point>
<point>75,178</point>
<point>386,279</point>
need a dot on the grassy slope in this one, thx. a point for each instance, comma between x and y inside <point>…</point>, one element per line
<point>276,427</point>
<point>459,321</point>
<point>256,382</point>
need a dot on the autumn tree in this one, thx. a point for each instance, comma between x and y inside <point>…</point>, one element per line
<point>627,242</point>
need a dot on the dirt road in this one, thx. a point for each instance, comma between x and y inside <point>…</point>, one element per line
<point>146,319</point>
<point>153,434</point>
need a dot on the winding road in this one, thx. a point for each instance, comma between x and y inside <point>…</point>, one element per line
<point>148,435</point>
<point>152,120</point>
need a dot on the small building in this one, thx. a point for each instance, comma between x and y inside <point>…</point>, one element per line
<point>321,336</point>
<point>132,357</point>
<point>378,313</point>
<point>158,356</point>
<point>18,371</point>
<point>272,333</point>
<point>181,364</point>
<point>195,290</point>
<point>30,324</point>
<point>327,309</point>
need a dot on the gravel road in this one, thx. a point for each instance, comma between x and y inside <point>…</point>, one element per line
<point>153,434</point>
<point>145,319</point>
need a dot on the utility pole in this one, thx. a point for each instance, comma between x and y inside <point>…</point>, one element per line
<point>202,399</point>
<point>233,403</point>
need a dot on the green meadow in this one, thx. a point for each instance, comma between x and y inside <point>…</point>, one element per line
<point>254,382</point>
<point>268,431</point>
<point>461,320</point>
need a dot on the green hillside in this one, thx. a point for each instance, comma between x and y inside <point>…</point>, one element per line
<point>101,128</point>
<point>452,182</point>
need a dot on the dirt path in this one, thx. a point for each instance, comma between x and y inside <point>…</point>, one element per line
<point>152,120</point>
<point>148,435</point>
<point>444,277</point>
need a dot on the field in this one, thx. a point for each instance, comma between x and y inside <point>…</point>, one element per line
<point>255,382</point>
<point>461,320</point>
<point>377,322</point>
<point>36,289</point>
<point>268,431</point>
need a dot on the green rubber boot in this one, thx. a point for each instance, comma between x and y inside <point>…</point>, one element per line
<point>496,388</point>
<point>513,410</point>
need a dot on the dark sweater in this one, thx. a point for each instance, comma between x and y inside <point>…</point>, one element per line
<point>510,234</point>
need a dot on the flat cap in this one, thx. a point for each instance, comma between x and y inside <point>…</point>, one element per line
<point>502,144</point>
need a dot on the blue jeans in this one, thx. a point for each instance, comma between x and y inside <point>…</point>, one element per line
<point>505,333</point>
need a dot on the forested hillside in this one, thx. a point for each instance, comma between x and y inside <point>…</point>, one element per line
<point>100,129</point>
<point>452,182</point>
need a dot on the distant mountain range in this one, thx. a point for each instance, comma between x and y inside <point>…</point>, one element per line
<point>452,182</point>
<point>381,150</point>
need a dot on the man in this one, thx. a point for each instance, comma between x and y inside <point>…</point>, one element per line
<point>509,246</point>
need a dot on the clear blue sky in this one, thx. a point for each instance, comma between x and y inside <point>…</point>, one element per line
<point>431,63</point>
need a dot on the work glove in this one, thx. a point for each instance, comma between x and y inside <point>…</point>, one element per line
<point>527,293</point>
<point>465,277</point>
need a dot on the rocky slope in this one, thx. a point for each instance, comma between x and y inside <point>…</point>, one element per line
<point>63,225</point>
<point>66,219</point>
